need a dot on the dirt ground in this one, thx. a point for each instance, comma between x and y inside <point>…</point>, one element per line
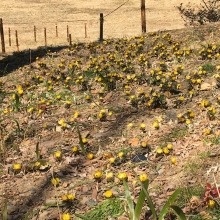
<point>22,15</point>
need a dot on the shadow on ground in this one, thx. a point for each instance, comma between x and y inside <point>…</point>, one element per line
<point>11,62</point>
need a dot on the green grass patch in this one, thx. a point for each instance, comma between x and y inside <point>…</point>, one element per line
<point>108,208</point>
<point>213,140</point>
<point>208,67</point>
<point>175,134</point>
<point>186,194</point>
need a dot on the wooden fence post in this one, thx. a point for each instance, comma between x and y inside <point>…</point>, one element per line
<point>45,36</point>
<point>143,16</point>
<point>101,27</point>
<point>56,31</point>
<point>2,36</point>
<point>9,36</point>
<point>35,35</point>
<point>16,36</point>
<point>85,31</point>
<point>67,32</point>
<point>70,40</point>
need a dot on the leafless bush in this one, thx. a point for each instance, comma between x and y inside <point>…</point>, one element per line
<point>208,11</point>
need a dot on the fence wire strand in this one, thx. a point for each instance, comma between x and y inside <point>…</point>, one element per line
<point>116,8</point>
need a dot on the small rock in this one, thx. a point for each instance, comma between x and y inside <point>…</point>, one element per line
<point>91,202</point>
<point>138,158</point>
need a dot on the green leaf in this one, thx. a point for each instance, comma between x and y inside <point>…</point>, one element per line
<point>4,211</point>
<point>29,214</point>
<point>129,200</point>
<point>17,102</point>
<point>140,204</point>
<point>169,202</point>
<point>145,190</point>
<point>37,151</point>
<point>80,140</point>
<point>149,200</point>
<point>16,121</point>
<point>178,212</point>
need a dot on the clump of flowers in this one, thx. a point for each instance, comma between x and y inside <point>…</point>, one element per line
<point>102,115</point>
<point>211,111</point>
<point>68,197</point>
<point>55,181</point>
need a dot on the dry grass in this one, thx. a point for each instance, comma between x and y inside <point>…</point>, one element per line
<point>126,21</point>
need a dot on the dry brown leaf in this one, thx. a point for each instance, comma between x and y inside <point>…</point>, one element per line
<point>134,142</point>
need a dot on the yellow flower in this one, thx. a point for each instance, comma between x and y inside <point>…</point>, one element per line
<point>31,109</point>
<point>20,90</point>
<point>122,176</point>
<point>103,111</point>
<point>97,174</point>
<point>173,160</point>
<point>142,126</point>
<point>110,113</point>
<point>17,166</point>
<point>121,154</point>
<point>134,182</point>
<point>199,81</point>
<point>37,164</point>
<point>66,216</point>
<point>170,146</point>
<point>55,181</point>
<point>109,176</point>
<point>58,97</point>
<point>191,114</point>
<point>143,177</point>
<point>143,144</point>
<point>130,125</point>
<point>75,149</point>
<point>5,111</point>
<point>188,122</point>
<point>111,160</point>
<point>84,140</point>
<point>166,150</point>
<point>108,194</point>
<point>100,115</point>
<point>68,103</point>
<point>211,203</point>
<point>156,125</point>
<point>61,121</point>
<point>76,114</point>
<point>64,198</point>
<point>58,155</point>
<point>208,131</point>
<point>181,98</point>
<point>90,156</point>
<point>88,97</point>
<point>159,151</point>
<point>70,197</point>
<point>205,103</point>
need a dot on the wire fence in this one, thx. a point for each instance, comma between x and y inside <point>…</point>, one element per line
<point>83,24</point>
<point>22,35</point>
